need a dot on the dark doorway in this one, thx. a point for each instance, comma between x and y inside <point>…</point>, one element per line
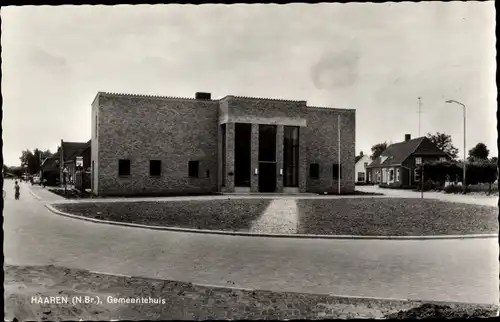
<point>267,158</point>
<point>267,177</point>
<point>242,154</point>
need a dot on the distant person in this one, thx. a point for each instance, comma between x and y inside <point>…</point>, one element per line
<point>17,189</point>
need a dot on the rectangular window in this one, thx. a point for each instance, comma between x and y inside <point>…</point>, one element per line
<point>123,167</point>
<point>366,164</point>
<point>193,168</point>
<point>418,160</point>
<point>361,176</point>
<point>391,175</point>
<point>397,175</point>
<point>155,168</point>
<point>267,142</point>
<point>314,171</point>
<point>291,156</point>
<point>96,124</point>
<point>416,175</point>
<point>336,168</point>
<point>370,176</point>
<point>442,159</point>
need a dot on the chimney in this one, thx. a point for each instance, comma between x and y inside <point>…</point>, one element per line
<point>407,137</point>
<point>203,96</point>
<point>361,153</point>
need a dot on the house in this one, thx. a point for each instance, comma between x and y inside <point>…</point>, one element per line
<point>49,169</point>
<point>170,145</point>
<point>68,154</point>
<point>397,165</point>
<point>362,162</point>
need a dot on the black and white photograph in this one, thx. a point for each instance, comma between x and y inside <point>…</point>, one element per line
<point>250,161</point>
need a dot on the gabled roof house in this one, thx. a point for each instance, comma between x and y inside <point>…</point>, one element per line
<point>397,165</point>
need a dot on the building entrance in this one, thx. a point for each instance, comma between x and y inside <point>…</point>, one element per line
<point>267,158</point>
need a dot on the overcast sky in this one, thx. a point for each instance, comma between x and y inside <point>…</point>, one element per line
<point>375,58</point>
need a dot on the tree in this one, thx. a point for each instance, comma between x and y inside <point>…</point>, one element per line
<point>32,161</point>
<point>377,150</point>
<point>494,160</point>
<point>444,143</point>
<point>479,152</point>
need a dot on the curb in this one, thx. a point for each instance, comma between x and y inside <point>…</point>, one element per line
<point>248,234</point>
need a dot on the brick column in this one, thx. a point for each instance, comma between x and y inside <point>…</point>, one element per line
<point>303,166</point>
<point>279,157</point>
<point>254,159</point>
<point>229,157</point>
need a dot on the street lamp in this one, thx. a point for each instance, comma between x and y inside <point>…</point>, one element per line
<point>465,151</point>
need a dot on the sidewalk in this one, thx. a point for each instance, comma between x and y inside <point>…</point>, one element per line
<point>43,194</point>
<point>469,199</point>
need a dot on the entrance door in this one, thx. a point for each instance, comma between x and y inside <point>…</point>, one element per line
<point>267,176</point>
<point>267,158</point>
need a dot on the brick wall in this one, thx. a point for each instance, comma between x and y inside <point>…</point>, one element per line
<point>175,131</point>
<point>141,128</point>
<point>321,135</point>
<point>94,144</point>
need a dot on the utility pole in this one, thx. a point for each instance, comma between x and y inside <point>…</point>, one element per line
<point>419,115</point>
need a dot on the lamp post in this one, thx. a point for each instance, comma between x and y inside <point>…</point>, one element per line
<point>465,150</point>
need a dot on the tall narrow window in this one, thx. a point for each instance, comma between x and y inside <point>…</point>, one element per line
<point>267,143</point>
<point>291,156</point>
<point>314,171</point>
<point>96,124</point>
<point>193,169</point>
<point>155,168</point>
<point>123,167</point>
<point>336,169</point>
<point>223,130</point>
<point>397,174</point>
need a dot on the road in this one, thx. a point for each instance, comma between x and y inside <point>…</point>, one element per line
<point>439,270</point>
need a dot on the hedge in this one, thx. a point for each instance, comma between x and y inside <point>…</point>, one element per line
<point>476,172</point>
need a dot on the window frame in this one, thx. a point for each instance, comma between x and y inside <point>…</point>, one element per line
<point>120,174</point>
<point>150,168</point>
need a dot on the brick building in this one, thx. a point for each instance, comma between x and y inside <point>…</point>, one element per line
<point>168,145</point>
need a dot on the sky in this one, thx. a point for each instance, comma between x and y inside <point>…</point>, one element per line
<point>375,58</point>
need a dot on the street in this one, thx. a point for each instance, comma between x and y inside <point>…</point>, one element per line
<point>442,270</point>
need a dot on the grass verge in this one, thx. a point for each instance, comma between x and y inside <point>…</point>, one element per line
<point>343,216</point>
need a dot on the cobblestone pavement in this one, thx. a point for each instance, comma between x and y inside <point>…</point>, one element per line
<point>25,286</point>
<point>440,270</point>
<point>280,217</point>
